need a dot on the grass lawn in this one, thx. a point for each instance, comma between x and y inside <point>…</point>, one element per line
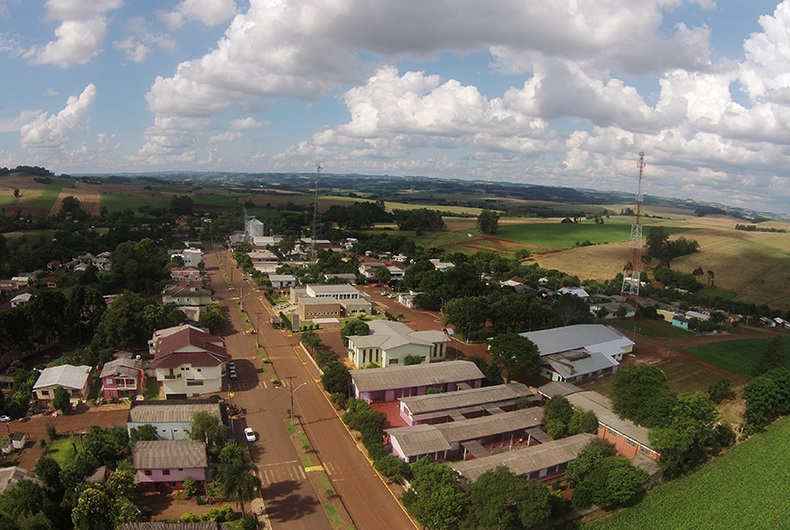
<point>737,356</point>
<point>151,388</point>
<point>743,488</point>
<point>62,450</point>
<point>650,328</point>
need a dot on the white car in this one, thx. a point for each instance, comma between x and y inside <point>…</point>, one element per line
<point>4,419</point>
<point>249,434</point>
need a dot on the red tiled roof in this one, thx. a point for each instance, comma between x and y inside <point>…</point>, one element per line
<point>189,345</point>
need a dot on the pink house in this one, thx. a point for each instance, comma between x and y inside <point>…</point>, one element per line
<point>165,464</point>
<point>122,378</point>
<point>186,277</point>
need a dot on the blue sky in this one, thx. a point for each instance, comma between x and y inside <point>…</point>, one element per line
<point>555,92</point>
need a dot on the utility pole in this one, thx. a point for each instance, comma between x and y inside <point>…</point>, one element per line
<point>293,391</point>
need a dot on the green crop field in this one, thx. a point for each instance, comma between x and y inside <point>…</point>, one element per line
<point>117,202</point>
<point>681,376</point>
<point>563,235</point>
<point>47,198</point>
<point>737,356</point>
<point>744,488</point>
<point>651,328</point>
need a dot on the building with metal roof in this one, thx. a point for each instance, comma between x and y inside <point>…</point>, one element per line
<point>455,439</point>
<point>629,439</point>
<point>394,382</point>
<point>74,379</point>
<point>388,343</point>
<point>169,462</point>
<point>581,352</point>
<point>462,404</point>
<point>545,461</point>
<point>171,418</point>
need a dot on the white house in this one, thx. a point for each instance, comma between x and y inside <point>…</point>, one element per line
<point>390,342</point>
<point>74,379</point>
<point>283,281</point>
<point>21,299</point>
<point>575,291</point>
<point>171,418</point>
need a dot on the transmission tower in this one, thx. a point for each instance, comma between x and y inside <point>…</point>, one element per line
<point>633,269</point>
<point>316,221</point>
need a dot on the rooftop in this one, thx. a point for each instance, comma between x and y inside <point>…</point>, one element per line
<point>593,337</point>
<point>589,400</point>
<point>169,412</point>
<point>386,334</point>
<point>465,398</point>
<point>66,375</point>
<point>416,375</point>
<point>169,454</point>
<point>527,459</point>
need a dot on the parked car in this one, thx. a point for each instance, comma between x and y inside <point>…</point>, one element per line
<point>249,434</point>
<point>232,374</point>
<point>231,366</point>
<point>4,419</point>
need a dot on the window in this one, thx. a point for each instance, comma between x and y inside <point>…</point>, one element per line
<point>630,442</point>
<point>147,472</point>
<point>44,392</point>
<point>165,472</point>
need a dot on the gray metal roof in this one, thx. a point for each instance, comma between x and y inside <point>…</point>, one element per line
<point>589,400</point>
<point>416,375</point>
<point>567,338</point>
<point>66,375</point>
<point>342,288</point>
<point>122,366</point>
<point>558,388</point>
<point>389,335</point>
<point>575,363</point>
<point>170,413</point>
<point>169,454</point>
<point>465,398</point>
<point>425,438</point>
<point>10,476</point>
<point>526,459</point>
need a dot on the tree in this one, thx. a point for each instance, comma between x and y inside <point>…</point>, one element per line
<point>212,319</point>
<point>500,499</point>
<point>491,372</point>
<point>95,509</point>
<point>516,354</point>
<point>382,275</point>
<point>354,327</point>
<point>62,400</point>
<point>207,428</point>
<point>583,421</point>
<point>772,357</point>
<point>336,379</point>
<point>588,460</point>
<point>641,394</point>
<point>762,397</point>
<point>145,432</point>
<point>569,309</point>
<point>235,474</point>
<point>48,471</point>
<point>557,414</point>
<point>181,205</point>
<point>435,499</point>
<point>488,222</point>
<point>721,389</point>
<point>139,266</point>
<point>614,481</point>
<point>392,467</point>
<point>21,500</point>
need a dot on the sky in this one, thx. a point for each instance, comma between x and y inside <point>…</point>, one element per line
<point>552,92</point>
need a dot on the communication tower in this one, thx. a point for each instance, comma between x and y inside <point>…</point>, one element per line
<point>633,269</point>
<point>316,221</point>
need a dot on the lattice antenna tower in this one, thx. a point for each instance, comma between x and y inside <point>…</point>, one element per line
<point>633,270</point>
<point>316,220</point>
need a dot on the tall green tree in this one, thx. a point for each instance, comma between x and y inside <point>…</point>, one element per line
<point>488,222</point>
<point>209,429</point>
<point>500,499</point>
<point>95,509</point>
<point>61,400</point>
<point>435,498</point>
<point>235,474</point>
<point>517,355</point>
<point>336,379</point>
<point>772,357</point>
<point>641,394</point>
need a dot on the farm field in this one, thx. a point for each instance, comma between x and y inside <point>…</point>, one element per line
<point>90,199</point>
<point>650,328</point>
<point>737,356</point>
<point>46,199</point>
<point>682,376</point>
<point>743,488</point>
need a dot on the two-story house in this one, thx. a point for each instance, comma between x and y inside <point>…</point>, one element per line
<point>188,361</point>
<point>122,378</point>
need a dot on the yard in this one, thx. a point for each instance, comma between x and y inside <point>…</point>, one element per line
<point>717,495</point>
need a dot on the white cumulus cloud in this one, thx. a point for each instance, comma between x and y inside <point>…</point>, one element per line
<point>207,12</point>
<point>55,130</point>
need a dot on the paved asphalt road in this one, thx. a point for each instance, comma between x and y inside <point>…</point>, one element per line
<point>288,494</point>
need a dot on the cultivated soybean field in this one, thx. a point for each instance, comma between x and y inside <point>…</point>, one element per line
<point>743,488</point>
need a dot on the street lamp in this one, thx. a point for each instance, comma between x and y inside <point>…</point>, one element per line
<point>293,391</point>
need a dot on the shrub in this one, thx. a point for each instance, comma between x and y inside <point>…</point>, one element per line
<point>52,432</point>
<point>338,400</point>
<point>190,487</point>
<point>392,467</point>
<point>721,389</point>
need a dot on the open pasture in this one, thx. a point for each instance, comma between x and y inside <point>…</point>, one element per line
<point>739,356</point>
<point>743,488</point>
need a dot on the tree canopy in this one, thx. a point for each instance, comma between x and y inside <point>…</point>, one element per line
<point>488,222</point>
<point>518,355</point>
<point>641,394</point>
<point>500,499</point>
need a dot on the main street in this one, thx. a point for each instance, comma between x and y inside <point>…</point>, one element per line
<point>367,499</point>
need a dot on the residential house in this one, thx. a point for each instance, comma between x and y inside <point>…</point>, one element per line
<point>253,228</point>
<point>341,277</point>
<point>74,379</point>
<point>396,273</point>
<point>11,476</point>
<point>392,383</point>
<point>167,463</point>
<point>186,277</point>
<point>544,462</point>
<point>368,270</point>
<point>188,361</point>
<point>122,378</point>
<point>102,261</point>
<point>474,437</point>
<point>193,257</point>
<point>575,291</point>
<point>283,281</point>
<point>407,299</point>
<point>266,241</point>
<point>21,300</point>
<point>629,439</point>
<point>186,297</point>
<point>579,353</point>
<point>389,343</point>
<point>171,418</point>
<point>440,265</point>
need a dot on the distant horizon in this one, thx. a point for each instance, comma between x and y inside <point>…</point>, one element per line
<point>563,94</point>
